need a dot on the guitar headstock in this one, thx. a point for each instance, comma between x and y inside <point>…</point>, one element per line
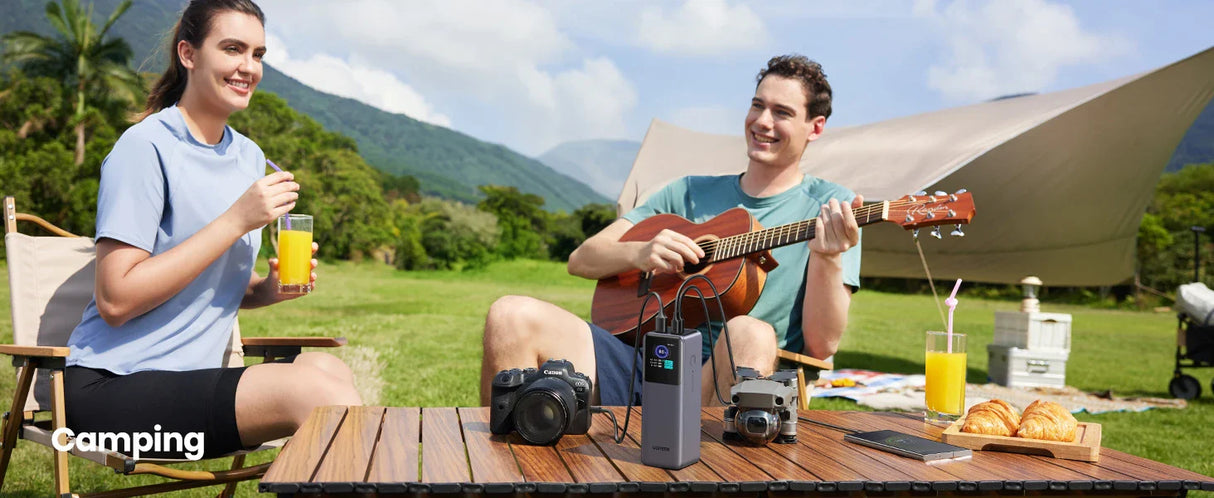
<point>920,209</point>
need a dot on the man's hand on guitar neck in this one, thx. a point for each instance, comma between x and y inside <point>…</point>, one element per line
<point>668,251</point>
<point>836,230</point>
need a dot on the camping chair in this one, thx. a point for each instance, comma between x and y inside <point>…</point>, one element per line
<point>807,368</point>
<point>51,282</point>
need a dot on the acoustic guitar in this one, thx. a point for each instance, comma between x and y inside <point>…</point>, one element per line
<point>737,257</point>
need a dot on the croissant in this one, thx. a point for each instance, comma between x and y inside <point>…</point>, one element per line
<point>1047,420</point>
<point>994,417</point>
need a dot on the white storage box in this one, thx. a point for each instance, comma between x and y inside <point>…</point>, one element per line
<point>1015,367</point>
<point>1033,330</point>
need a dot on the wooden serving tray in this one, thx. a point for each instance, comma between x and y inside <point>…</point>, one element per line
<point>1085,447</point>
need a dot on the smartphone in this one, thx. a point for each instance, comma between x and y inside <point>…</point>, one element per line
<point>908,445</point>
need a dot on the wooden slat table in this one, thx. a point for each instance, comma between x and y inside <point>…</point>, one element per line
<point>380,450</point>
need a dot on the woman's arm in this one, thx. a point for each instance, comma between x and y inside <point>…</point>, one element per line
<point>130,281</point>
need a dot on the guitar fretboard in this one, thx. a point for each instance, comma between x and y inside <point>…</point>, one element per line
<point>779,236</point>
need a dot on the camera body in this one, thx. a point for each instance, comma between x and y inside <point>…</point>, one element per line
<point>763,409</point>
<point>540,404</point>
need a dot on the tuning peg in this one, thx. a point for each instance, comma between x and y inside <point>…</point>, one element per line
<point>957,232</point>
<point>962,191</point>
<point>936,232</point>
<point>915,234</point>
<point>921,193</point>
<point>940,193</point>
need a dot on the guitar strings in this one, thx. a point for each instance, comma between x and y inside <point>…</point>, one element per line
<point>744,241</point>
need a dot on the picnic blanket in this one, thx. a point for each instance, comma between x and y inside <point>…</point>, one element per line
<point>889,391</point>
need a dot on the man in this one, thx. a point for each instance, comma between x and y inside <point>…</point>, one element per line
<point>803,307</point>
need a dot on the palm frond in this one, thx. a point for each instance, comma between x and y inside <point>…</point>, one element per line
<point>22,46</point>
<point>54,14</point>
<point>76,22</point>
<point>122,7</point>
<point>114,50</point>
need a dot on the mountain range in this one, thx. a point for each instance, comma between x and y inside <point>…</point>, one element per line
<point>604,164</point>
<point>448,163</point>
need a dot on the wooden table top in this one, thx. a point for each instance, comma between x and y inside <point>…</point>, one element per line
<point>450,450</point>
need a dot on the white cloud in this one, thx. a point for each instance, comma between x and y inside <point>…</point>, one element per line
<point>701,28</point>
<point>1005,47</point>
<point>368,85</point>
<point>710,119</point>
<point>505,64</point>
<point>587,102</point>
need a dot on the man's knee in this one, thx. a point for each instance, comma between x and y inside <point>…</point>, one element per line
<point>509,318</point>
<point>755,341</point>
<point>751,331</point>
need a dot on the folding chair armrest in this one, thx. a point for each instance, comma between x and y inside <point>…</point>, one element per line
<point>805,361</point>
<point>279,347</point>
<point>40,356</point>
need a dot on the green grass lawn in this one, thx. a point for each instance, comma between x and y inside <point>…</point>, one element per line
<point>420,331</point>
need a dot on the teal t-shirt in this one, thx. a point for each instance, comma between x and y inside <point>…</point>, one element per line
<point>699,198</point>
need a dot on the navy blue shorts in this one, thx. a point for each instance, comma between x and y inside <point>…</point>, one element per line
<point>613,360</point>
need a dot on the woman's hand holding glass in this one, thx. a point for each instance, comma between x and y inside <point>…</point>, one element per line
<point>271,283</point>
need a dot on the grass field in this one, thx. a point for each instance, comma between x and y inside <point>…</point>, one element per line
<point>415,337</point>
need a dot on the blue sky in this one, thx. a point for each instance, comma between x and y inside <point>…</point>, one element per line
<point>531,74</point>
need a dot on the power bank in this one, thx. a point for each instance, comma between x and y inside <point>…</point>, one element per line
<point>908,445</point>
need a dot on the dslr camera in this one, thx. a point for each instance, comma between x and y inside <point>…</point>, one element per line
<point>763,409</point>
<point>540,404</point>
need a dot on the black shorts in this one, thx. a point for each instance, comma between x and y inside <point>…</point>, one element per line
<point>185,403</point>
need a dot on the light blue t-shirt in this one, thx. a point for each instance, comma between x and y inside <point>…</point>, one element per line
<point>159,186</point>
<point>699,198</point>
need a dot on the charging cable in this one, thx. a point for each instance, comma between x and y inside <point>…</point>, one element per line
<point>831,426</point>
<point>659,325</point>
<point>677,326</point>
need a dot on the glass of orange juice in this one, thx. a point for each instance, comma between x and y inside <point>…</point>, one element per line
<point>295,254</point>
<point>945,365</point>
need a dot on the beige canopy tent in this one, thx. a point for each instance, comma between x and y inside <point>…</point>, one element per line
<point>1060,180</point>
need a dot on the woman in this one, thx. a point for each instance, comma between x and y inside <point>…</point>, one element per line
<point>180,210</point>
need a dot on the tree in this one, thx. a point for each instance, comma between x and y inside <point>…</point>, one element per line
<point>88,65</point>
<point>521,218</point>
<point>1165,242</point>
<point>342,193</point>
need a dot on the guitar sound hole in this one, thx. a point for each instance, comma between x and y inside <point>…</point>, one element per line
<point>691,269</point>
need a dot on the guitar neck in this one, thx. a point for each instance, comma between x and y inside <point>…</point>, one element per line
<point>769,238</point>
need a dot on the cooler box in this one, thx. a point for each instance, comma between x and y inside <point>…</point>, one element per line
<point>1033,330</point>
<point>1016,367</point>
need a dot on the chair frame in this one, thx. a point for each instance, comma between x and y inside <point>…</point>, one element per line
<point>19,424</point>
<point>807,372</point>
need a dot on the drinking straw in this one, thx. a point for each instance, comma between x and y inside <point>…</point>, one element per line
<point>952,305</point>
<point>276,168</point>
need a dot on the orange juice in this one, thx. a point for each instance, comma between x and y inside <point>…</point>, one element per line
<point>945,382</point>
<point>294,260</point>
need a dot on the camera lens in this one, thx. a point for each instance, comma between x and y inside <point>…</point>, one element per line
<point>758,426</point>
<point>543,409</point>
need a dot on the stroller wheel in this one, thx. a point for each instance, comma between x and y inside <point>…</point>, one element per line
<point>1185,387</point>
